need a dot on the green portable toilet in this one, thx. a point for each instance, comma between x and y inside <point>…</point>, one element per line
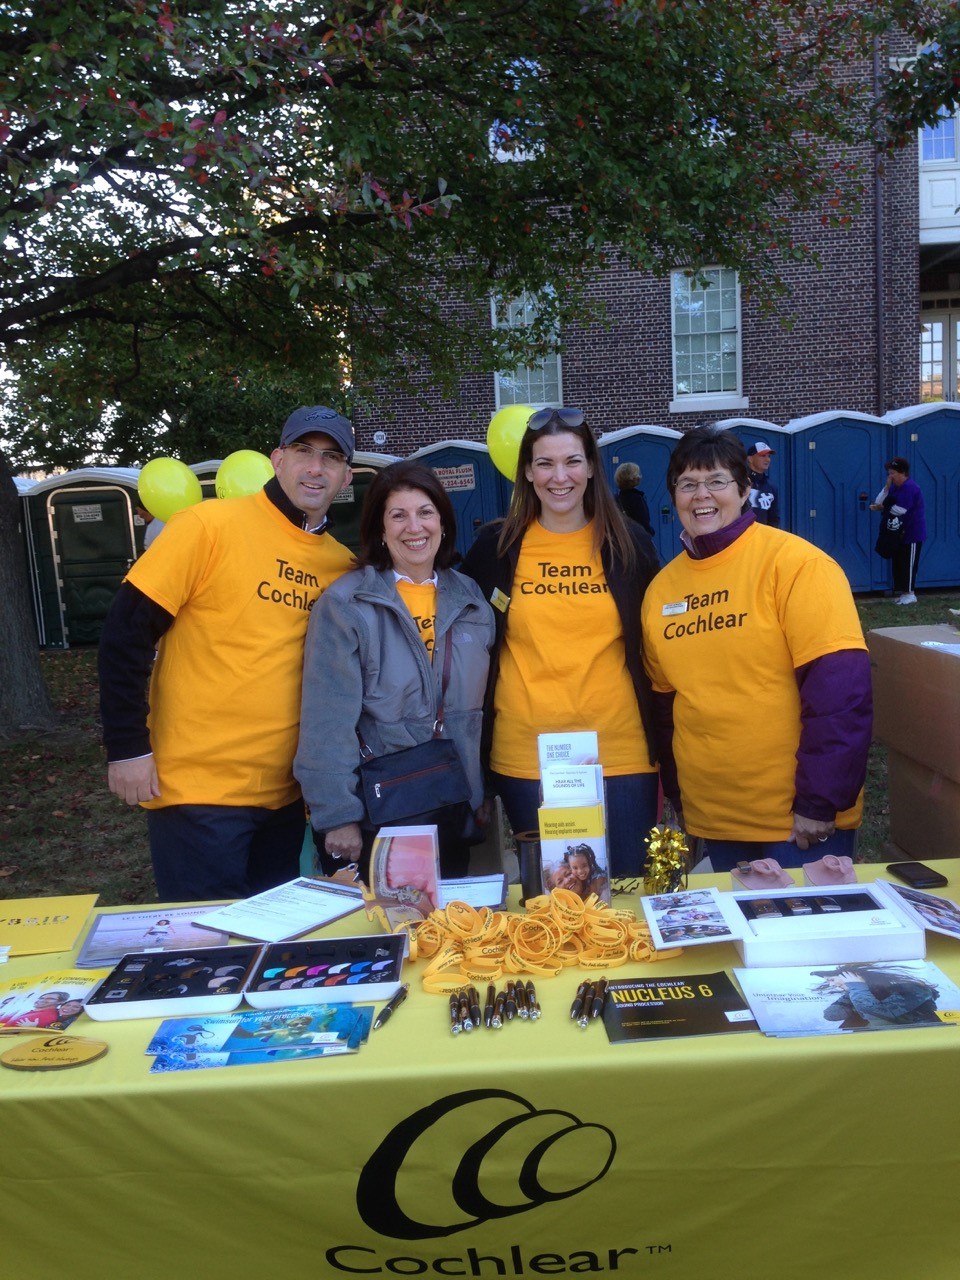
<point>81,539</point>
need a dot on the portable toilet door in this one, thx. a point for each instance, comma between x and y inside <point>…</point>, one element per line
<point>82,544</point>
<point>838,468</point>
<point>650,448</point>
<point>476,488</point>
<point>751,431</point>
<point>928,436</point>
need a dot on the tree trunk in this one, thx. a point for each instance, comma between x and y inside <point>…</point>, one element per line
<point>24,701</point>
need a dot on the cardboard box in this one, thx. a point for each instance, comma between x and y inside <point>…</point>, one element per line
<point>924,808</point>
<point>916,695</point>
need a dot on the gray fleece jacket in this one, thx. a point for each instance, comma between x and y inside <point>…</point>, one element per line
<point>366,667</point>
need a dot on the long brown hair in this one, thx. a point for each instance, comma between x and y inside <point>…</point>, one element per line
<point>609,526</point>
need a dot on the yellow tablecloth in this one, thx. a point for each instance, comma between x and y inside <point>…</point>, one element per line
<point>537,1150</point>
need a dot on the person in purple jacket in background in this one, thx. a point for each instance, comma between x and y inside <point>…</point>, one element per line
<point>905,499</point>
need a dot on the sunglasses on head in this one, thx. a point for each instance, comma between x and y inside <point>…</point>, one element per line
<point>567,417</point>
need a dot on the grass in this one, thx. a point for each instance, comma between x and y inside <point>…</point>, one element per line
<point>62,832</point>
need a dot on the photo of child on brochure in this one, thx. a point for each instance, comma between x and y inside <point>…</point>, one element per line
<point>580,871</point>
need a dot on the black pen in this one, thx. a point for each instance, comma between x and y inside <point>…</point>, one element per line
<point>392,1005</point>
<point>522,1007</point>
<point>456,1026</point>
<point>533,1004</point>
<point>499,1006</point>
<point>474,997</point>
<point>577,1007</point>
<point>465,1020</point>
<point>584,1019</point>
<point>599,999</point>
<point>511,1005</point>
<point>488,1007</point>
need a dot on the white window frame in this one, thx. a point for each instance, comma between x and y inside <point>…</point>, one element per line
<point>528,304</point>
<point>730,322</point>
<point>945,311</point>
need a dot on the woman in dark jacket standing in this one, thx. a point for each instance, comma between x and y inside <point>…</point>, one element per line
<point>566,575</point>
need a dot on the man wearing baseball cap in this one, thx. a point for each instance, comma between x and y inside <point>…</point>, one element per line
<point>763,496</point>
<point>905,499</point>
<point>224,597</point>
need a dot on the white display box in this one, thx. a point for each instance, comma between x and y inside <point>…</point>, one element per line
<point>826,925</point>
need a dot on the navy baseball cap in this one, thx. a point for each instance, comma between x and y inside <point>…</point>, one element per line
<point>302,422</point>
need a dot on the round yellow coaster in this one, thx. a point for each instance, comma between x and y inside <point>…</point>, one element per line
<point>52,1053</point>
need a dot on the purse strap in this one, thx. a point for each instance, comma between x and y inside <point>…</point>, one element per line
<point>367,754</point>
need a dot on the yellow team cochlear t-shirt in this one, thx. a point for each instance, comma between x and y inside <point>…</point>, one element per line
<point>240,580</point>
<point>421,600</point>
<point>727,634</point>
<point>562,666</point>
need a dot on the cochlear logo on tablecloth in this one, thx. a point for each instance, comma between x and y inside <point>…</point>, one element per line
<point>549,1155</point>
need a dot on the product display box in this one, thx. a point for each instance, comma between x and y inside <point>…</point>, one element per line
<point>916,705</point>
<point>212,980</point>
<point>327,971</point>
<point>817,925</point>
<point>173,983</point>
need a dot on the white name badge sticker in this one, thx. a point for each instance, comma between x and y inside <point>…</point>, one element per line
<point>669,610</point>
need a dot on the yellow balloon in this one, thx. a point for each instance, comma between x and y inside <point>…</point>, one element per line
<point>504,434</point>
<point>243,472</point>
<point>166,486</point>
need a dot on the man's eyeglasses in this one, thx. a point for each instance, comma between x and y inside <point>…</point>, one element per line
<point>328,458</point>
<point>712,486</point>
<point>567,417</point>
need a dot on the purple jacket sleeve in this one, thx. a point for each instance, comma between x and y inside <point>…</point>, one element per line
<point>836,713</point>
<point>663,733</point>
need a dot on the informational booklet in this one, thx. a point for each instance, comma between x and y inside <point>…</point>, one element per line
<point>476,891</point>
<point>404,875</point>
<point>835,999</point>
<point>284,912</point>
<point>47,1002</point>
<point>690,918</point>
<point>245,1039</point>
<point>927,910</point>
<point>31,926</point>
<point>701,1004</point>
<point>114,935</point>
<point>573,850</point>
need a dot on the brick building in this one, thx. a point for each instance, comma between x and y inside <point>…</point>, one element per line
<point>671,354</point>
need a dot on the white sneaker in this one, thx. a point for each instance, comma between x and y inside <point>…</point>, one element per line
<point>909,598</point>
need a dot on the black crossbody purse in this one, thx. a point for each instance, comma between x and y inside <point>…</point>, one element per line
<point>420,785</point>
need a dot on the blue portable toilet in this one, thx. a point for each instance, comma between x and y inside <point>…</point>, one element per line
<point>928,436</point>
<point>837,460</point>
<point>476,488</point>
<point>650,448</point>
<point>752,430</point>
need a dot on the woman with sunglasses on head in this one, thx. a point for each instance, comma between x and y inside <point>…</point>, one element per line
<point>402,636</point>
<point>760,672</point>
<point>566,573</point>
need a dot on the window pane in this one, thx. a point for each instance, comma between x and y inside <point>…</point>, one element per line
<point>931,361</point>
<point>706,332</point>
<point>527,384</point>
<point>939,141</point>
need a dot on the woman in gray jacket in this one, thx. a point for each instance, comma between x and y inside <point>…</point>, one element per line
<point>374,660</point>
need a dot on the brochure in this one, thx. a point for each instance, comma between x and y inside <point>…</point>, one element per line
<point>476,891</point>
<point>837,999</point>
<point>404,875</point>
<point>690,918</point>
<point>284,912</point>
<point>283,1035</point>
<point>31,926</point>
<point>573,849</point>
<point>114,935</point>
<point>927,910</point>
<point>701,1004</point>
<point>296,1027</point>
<point>49,1002</point>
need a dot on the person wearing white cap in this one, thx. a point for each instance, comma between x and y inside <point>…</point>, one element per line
<point>224,598</point>
<point>764,499</point>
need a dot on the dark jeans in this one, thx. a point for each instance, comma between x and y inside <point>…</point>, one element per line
<point>725,854</point>
<point>203,852</point>
<point>632,802</point>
